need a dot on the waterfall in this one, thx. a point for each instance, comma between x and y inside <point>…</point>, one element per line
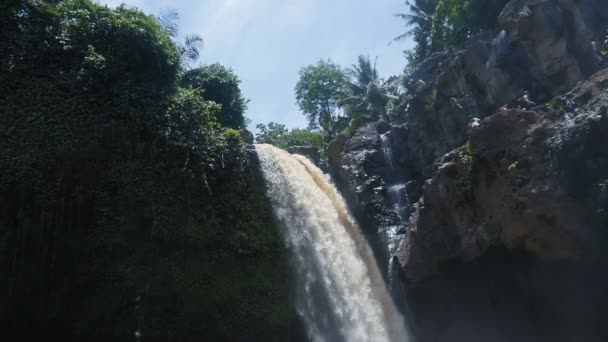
<point>398,197</point>
<point>397,200</point>
<point>396,194</point>
<point>341,293</point>
<point>388,153</point>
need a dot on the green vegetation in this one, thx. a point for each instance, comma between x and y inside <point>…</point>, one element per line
<point>465,183</point>
<point>189,49</point>
<point>339,100</point>
<point>278,135</point>
<point>319,93</point>
<point>432,104</point>
<point>440,24</point>
<point>126,209</point>
<point>366,100</point>
<point>221,86</point>
<point>370,97</point>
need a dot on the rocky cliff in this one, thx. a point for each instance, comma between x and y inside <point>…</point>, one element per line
<point>533,180</point>
<point>507,241</point>
<point>500,211</point>
<point>543,47</point>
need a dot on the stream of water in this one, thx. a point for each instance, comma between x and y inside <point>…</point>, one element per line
<point>341,293</point>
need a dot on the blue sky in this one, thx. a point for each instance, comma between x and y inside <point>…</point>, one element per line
<point>266,42</point>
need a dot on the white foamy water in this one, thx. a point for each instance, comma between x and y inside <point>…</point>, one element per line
<point>341,293</point>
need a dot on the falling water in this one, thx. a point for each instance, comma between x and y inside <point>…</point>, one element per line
<point>396,193</point>
<point>388,153</point>
<point>342,296</point>
<point>398,197</point>
<point>398,202</point>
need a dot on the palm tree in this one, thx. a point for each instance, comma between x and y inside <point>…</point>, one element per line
<point>420,18</point>
<point>368,96</point>
<point>421,14</point>
<point>363,72</point>
<point>189,49</point>
<point>167,19</point>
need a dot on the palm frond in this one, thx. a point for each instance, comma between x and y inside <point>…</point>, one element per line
<point>168,21</point>
<point>401,37</point>
<point>191,48</point>
<point>411,19</point>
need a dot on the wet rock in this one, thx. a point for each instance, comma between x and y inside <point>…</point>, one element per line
<point>382,127</point>
<point>334,151</point>
<point>367,168</point>
<point>310,152</point>
<point>362,169</point>
<point>412,189</point>
<point>363,138</point>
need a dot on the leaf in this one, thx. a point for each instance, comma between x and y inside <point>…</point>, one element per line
<point>168,21</point>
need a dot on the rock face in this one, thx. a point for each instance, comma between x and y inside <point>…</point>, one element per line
<point>370,170</point>
<point>542,46</point>
<point>358,165</point>
<point>503,241</point>
<point>513,224</point>
<point>529,180</point>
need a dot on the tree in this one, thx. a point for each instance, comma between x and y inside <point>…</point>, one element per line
<point>319,94</point>
<point>441,24</point>
<point>368,97</point>
<point>278,135</point>
<point>189,49</point>
<point>454,21</point>
<point>119,196</point>
<point>419,18</point>
<point>306,137</point>
<point>220,85</point>
<point>272,134</point>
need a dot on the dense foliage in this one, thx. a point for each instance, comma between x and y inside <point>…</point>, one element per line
<point>319,93</point>
<point>124,210</point>
<point>440,24</point>
<point>278,135</point>
<point>221,86</point>
<point>370,97</point>
<point>338,100</point>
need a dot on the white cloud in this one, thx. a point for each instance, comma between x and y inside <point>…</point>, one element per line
<point>224,21</point>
